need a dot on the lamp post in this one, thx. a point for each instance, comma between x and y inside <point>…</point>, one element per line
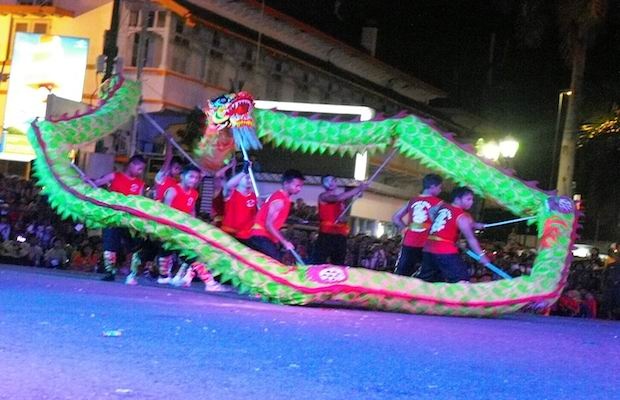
<point>501,152</point>
<point>556,137</point>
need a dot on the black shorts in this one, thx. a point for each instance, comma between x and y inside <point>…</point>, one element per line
<point>330,246</point>
<point>119,240</point>
<point>443,268</point>
<point>409,260</point>
<point>265,246</point>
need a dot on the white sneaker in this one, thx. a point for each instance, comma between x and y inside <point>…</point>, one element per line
<point>213,286</point>
<point>176,281</point>
<point>179,278</point>
<point>164,281</point>
<point>131,280</point>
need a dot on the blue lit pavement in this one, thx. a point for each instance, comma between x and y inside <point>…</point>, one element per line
<point>187,344</point>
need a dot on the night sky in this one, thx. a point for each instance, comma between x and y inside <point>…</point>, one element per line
<point>447,43</point>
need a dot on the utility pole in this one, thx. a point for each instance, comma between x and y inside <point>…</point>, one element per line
<point>110,49</point>
<point>140,56</point>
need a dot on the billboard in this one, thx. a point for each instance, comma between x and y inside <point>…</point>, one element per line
<point>41,65</point>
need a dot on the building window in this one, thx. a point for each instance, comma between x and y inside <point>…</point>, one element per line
<point>134,16</point>
<point>274,87</point>
<point>161,19</point>
<point>152,50</point>
<point>216,41</point>
<point>248,61</point>
<point>180,54</point>
<point>21,27</point>
<point>150,22</point>
<point>180,25</point>
<point>215,65</point>
<point>40,27</point>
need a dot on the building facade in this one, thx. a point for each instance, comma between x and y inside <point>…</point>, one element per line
<point>196,50</point>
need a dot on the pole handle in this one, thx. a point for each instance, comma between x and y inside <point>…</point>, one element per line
<point>489,265</point>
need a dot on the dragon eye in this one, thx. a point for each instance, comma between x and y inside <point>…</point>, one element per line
<point>220,100</point>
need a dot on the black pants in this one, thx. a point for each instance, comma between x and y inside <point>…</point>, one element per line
<point>409,261</point>
<point>119,240</point>
<point>265,246</point>
<point>330,246</point>
<point>443,268</point>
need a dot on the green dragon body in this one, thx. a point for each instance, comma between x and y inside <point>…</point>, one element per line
<point>252,272</point>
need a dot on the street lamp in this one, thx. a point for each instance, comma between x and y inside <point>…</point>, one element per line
<point>558,126</point>
<point>508,148</point>
<point>505,150</point>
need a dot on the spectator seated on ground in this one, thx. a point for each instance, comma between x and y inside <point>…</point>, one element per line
<point>35,252</point>
<point>5,228</point>
<point>85,259</point>
<point>56,257</point>
<point>15,251</point>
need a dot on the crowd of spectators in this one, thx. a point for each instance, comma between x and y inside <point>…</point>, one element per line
<point>32,234</point>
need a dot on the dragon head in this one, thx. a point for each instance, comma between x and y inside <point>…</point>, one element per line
<point>229,123</point>
<point>232,110</point>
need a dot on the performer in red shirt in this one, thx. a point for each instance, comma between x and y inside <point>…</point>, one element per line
<point>418,223</point>
<point>168,175</point>
<point>128,183</point>
<point>241,205</point>
<point>265,234</point>
<point>331,243</point>
<point>441,260</point>
<point>218,204</point>
<point>165,178</point>
<point>184,197</point>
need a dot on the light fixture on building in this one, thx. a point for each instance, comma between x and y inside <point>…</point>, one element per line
<point>365,114</point>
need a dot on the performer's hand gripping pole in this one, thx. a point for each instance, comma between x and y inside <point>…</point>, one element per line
<point>372,178</point>
<point>247,159</point>
<point>489,265</point>
<point>298,258</point>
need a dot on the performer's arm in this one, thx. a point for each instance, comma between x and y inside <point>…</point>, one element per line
<point>334,198</point>
<point>234,181</point>
<point>465,224</point>
<point>397,218</point>
<point>104,180</point>
<point>272,214</point>
<point>165,168</point>
<point>169,196</point>
<point>221,173</point>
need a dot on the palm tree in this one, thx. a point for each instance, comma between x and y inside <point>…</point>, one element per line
<point>579,21</point>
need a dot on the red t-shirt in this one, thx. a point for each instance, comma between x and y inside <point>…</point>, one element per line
<point>160,188</point>
<point>328,213</point>
<point>261,217</point>
<point>239,214</point>
<point>419,220</point>
<point>126,185</point>
<point>444,231</point>
<point>184,201</point>
<point>217,209</point>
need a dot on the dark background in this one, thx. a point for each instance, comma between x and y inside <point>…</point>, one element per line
<point>447,43</point>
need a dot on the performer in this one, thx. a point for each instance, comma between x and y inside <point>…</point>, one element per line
<point>218,204</point>
<point>265,234</point>
<point>240,205</point>
<point>441,260</point>
<point>165,178</point>
<point>417,225</point>
<point>332,240</point>
<point>128,183</point>
<point>168,175</point>
<point>183,197</point>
